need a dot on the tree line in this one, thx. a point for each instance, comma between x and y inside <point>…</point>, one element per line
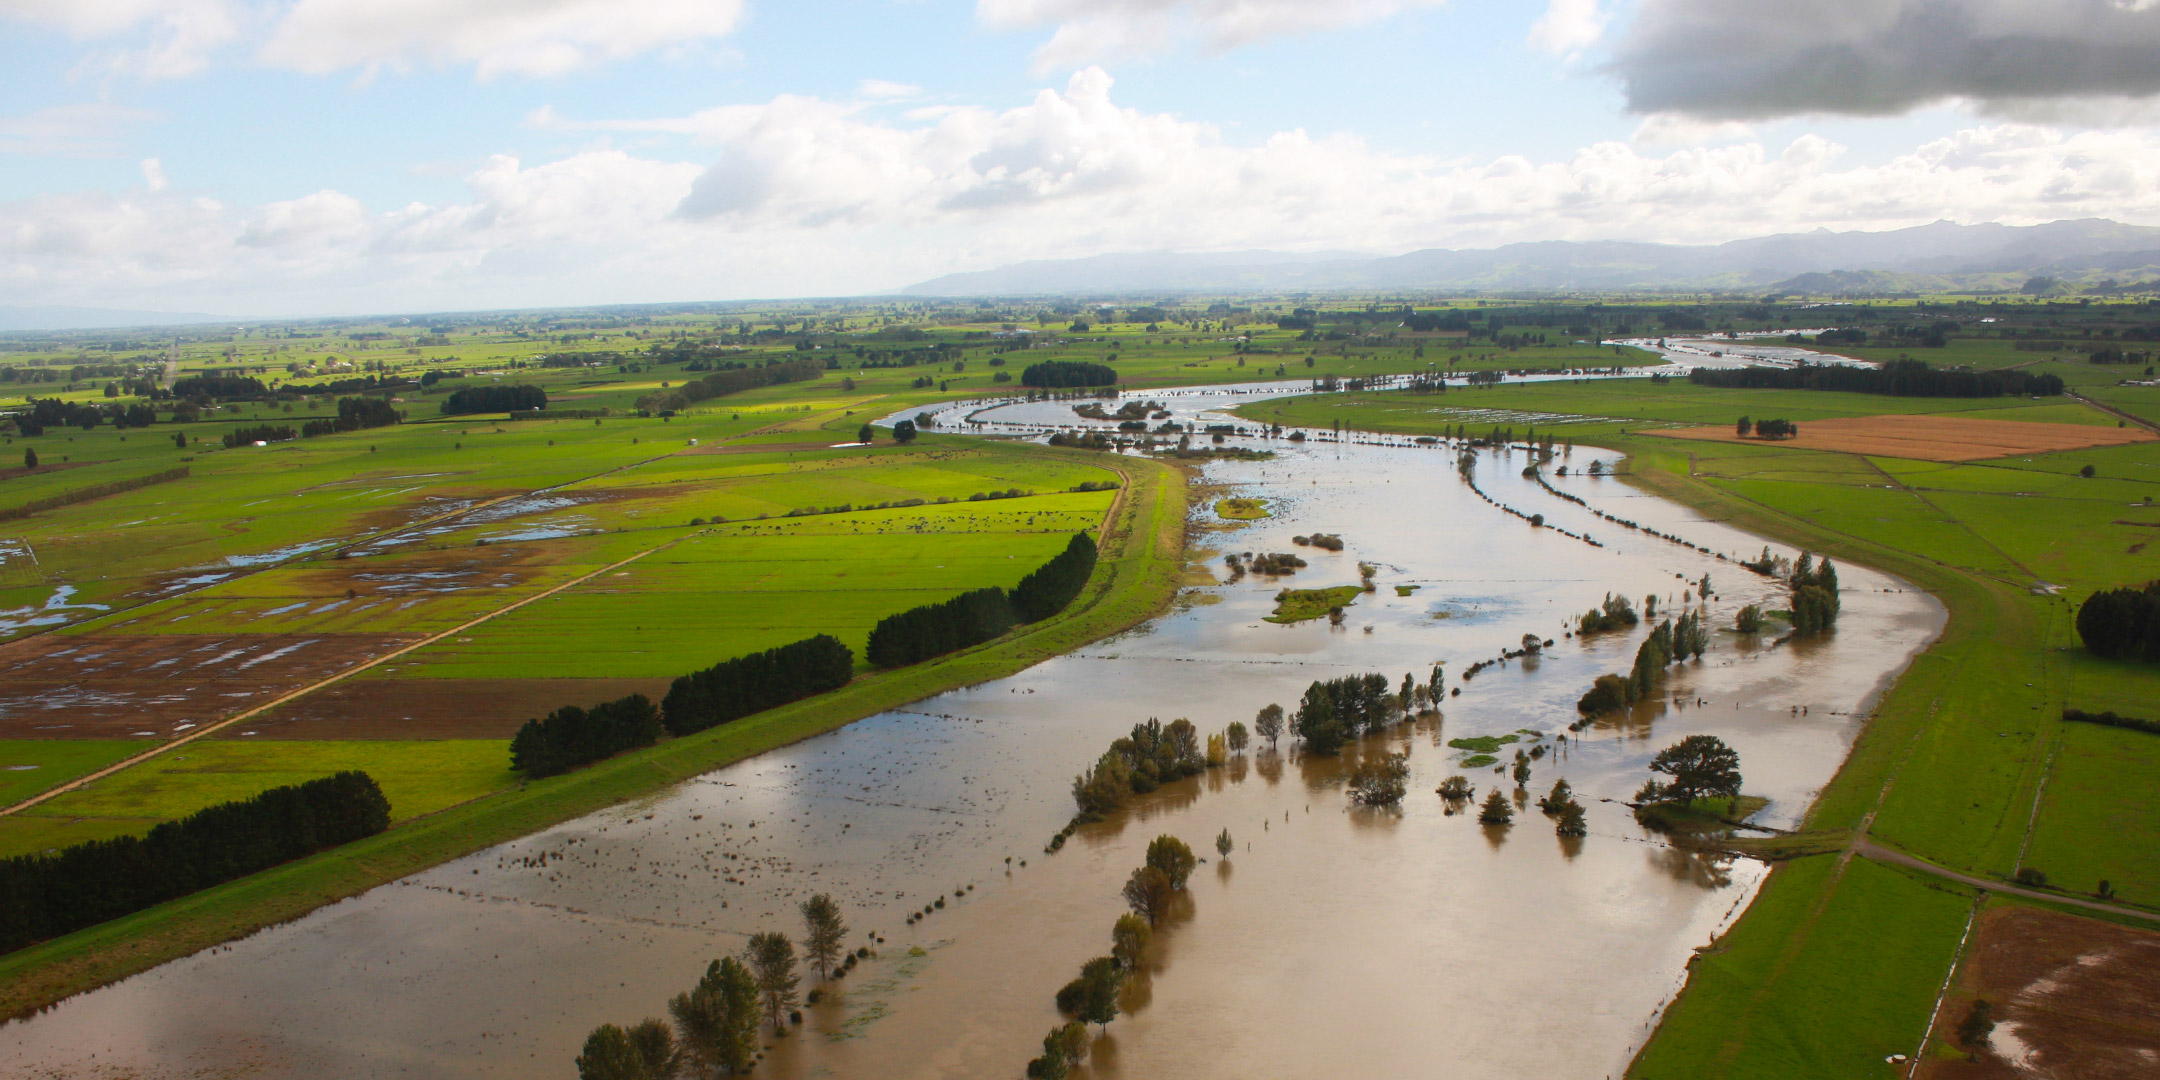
<point>1897,378</point>
<point>571,737</point>
<point>733,689</point>
<point>2109,719</point>
<point>974,617</point>
<point>45,896</point>
<point>734,380</point>
<point>494,399</point>
<point>2122,624</point>
<point>1060,374</point>
<point>53,412</point>
<point>268,433</point>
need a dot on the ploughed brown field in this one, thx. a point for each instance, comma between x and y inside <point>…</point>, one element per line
<point>118,686</point>
<point>364,708</point>
<point>1933,438</point>
<point>2070,997</point>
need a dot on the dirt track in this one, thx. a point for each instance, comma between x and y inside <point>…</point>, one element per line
<point>1932,438</point>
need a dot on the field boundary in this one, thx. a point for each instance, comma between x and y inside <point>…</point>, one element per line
<point>1143,545</point>
<point>91,493</point>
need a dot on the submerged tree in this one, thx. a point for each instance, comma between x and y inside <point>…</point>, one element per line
<point>1129,938</point>
<point>1237,736</point>
<point>1223,844</point>
<point>612,1053</point>
<point>1497,810</point>
<point>1148,893</point>
<point>1269,723</point>
<point>1171,856</point>
<point>716,1021</point>
<point>772,957</point>
<point>1380,780</point>
<point>1700,765</point>
<point>823,932</point>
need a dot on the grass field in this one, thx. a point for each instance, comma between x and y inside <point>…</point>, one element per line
<point>28,766</point>
<point>418,777</point>
<point>1966,762</point>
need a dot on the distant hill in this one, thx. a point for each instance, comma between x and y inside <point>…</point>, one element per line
<point>1941,256</point>
<point>82,318</point>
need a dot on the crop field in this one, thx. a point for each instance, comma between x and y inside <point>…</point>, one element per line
<point>1966,764</point>
<point>1937,438</point>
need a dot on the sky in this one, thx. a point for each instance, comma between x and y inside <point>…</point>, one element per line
<point>282,158</point>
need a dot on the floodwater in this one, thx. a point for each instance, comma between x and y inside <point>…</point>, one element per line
<point>1334,941</point>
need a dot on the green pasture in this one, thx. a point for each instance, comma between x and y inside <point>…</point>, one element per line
<point>28,766</point>
<point>1828,974</point>
<point>419,777</point>
<point>731,591</point>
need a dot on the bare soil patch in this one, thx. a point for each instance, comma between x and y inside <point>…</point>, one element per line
<point>1933,438</point>
<point>110,686</point>
<point>365,708</point>
<point>2071,997</point>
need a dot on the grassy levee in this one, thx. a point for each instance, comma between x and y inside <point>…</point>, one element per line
<point>1142,556</point>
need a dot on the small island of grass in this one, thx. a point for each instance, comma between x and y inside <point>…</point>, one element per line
<point>1298,605</point>
<point>1483,744</point>
<point>1240,509</point>
<point>1405,590</point>
<point>1701,815</point>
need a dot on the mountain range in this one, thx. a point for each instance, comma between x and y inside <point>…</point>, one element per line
<point>87,318</point>
<point>2057,257</point>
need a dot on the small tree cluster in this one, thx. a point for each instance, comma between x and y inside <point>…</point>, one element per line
<point>1814,596</point>
<point>1615,614</point>
<point>1380,779</point>
<point>2122,624</point>
<point>1154,754</point>
<point>1334,711</point>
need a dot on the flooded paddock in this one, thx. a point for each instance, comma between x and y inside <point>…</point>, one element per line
<point>1335,939</point>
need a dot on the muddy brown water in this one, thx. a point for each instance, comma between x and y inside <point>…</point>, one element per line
<point>1335,940</point>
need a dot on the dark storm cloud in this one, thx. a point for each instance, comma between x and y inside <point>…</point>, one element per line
<point>1754,59</point>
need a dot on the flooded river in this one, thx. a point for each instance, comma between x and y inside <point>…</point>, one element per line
<point>1334,941</point>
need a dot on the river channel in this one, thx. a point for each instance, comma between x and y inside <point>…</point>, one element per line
<point>1334,941</point>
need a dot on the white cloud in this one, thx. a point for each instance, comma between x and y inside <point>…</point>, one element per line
<point>1568,26</point>
<point>498,37</point>
<point>84,129</point>
<point>886,90</point>
<point>1090,30</point>
<point>171,38</point>
<point>1754,59</point>
<point>153,172</point>
<point>812,197</point>
<point>164,38</point>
